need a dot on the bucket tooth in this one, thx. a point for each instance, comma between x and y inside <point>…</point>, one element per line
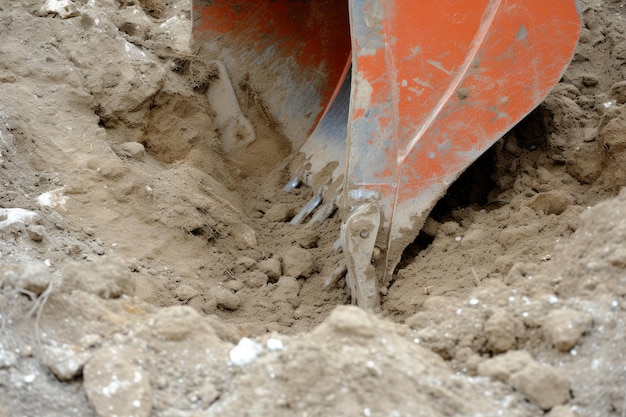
<point>359,234</point>
<point>235,129</point>
<point>307,209</point>
<point>292,184</point>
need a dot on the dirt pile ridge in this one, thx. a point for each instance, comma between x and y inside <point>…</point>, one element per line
<point>143,273</point>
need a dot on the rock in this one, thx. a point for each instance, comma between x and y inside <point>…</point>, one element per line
<point>90,340</point>
<point>272,268</point>
<point>501,367</point>
<point>9,216</point>
<point>542,384</point>
<point>134,150</point>
<point>349,321</point>
<point>36,277</point>
<point>208,394</point>
<point>36,233</point>
<point>108,277</point>
<point>245,352</point>
<point>298,262</point>
<point>63,8</point>
<point>115,386</point>
<point>450,228</point>
<point>584,164</point>
<point>226,299</point>
<point>65,362</point>
<point>618,91</point>
<point>7,77</point>
<point>564,328</point>
<point>185,292</point>
<point>431,227</point>
<point>611,135</point>
<point>26,351</point>
<point>551,202</point>
<point>590,134</point>
<point>233,285</point>
<point>306,238</point>
<point>472,363</point>
<point>287,288</point>
<point>175,323</point>
<point>502,331</point>
<point>254,279</point>
<point>589,80</point>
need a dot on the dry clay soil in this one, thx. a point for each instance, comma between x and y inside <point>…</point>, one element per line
<point>143,273</point>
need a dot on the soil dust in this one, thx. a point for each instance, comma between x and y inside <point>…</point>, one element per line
<point>144,272</point>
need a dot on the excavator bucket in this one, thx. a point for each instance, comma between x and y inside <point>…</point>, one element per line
<point>433,84</point>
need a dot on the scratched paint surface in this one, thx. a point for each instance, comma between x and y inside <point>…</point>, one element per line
<point>311,38</point>
<point>443,82</point>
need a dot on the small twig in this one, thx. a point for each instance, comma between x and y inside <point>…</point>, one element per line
<point>476,279</point>
<point>39,305</point>
<point>30,295</point>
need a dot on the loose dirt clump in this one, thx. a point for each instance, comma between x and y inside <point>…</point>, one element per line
<point>146,272</point>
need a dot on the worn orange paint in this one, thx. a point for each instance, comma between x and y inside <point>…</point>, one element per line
<point>314,33</point>
<point>454,76</point>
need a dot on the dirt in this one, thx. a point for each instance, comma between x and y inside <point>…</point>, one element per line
<point>145,272</point>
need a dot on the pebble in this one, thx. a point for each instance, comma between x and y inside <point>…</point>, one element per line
<point>544,385</point>
<point>590,80</point>
<point>272,268</point>
<point>63,8</point>
<point>245,352</point>
<point>287,289</point>
<point>564,328</point>
<point>65,362</point>
<point>226,299</point>
<point>185,292</point>
<point>233,285</point>
<point>255,279</point>
<point>36,277</point>
<point>26,351</point>
<point>208,394</point>
<point>351,321</point>
<point>502,331</point>
<point>307,238</point>
<point>501,367</point>
<point>274,344</point>
<point>90,340</point>
<point>115,386</point>
<point>108,277</point>
<point>618,91</point>
<point>36,233</point>
<point>175,323</point>
<point>134,150</point>
<point>298,262</point>
<point>551,202</point>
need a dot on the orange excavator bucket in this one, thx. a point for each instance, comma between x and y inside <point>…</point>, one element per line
<point>432,85</point>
